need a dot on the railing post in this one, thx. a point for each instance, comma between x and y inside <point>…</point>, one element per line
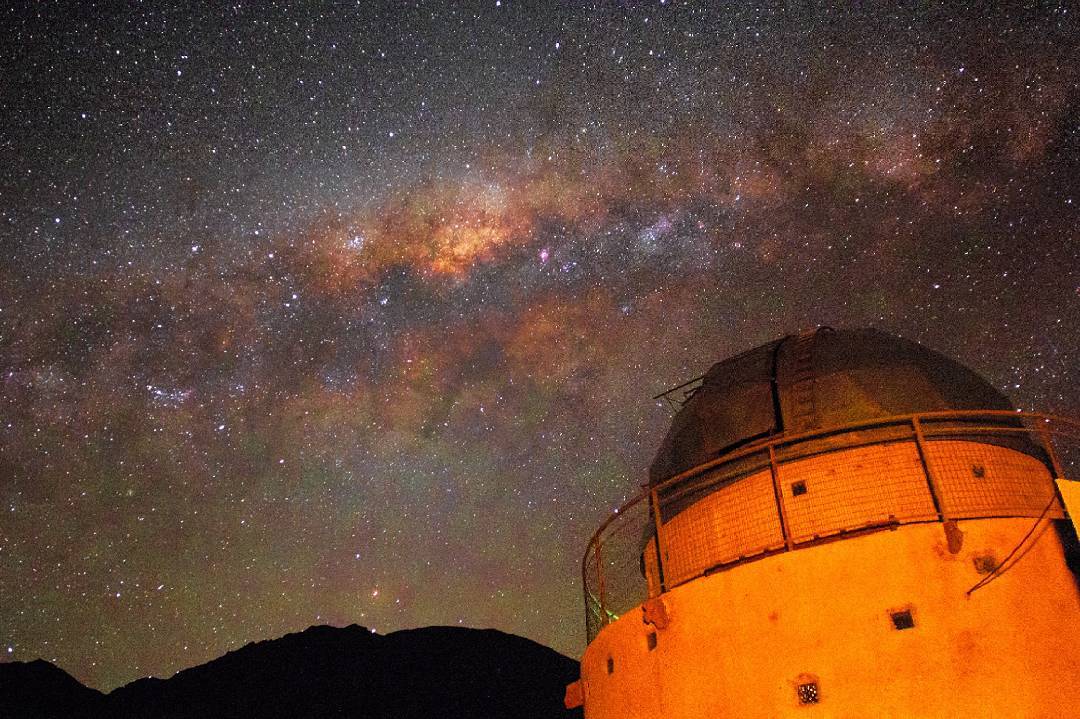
<point>658,524</point>
<point>1048,445</point>
<point>953,536</point>
<point>1059,471</point>
<point>778,494</point>
<point>601,595</point>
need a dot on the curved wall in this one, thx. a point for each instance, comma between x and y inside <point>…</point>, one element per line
<point>742,641</point>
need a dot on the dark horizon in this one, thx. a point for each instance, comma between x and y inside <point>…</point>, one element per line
<point>327,316</point>
<point>323,671</point>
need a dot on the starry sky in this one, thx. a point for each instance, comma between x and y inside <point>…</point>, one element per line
<point>353,313</point>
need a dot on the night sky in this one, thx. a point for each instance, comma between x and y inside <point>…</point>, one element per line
<point>343,314</point>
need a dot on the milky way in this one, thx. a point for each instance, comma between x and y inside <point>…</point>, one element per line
<point>334,315</point>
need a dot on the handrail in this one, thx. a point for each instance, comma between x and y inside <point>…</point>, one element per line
<point>782,439</point>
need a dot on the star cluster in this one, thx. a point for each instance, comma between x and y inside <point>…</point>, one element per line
<point>320,313</point>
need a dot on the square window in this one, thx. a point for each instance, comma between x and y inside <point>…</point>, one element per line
<point>902,619</point>
<point>798,489</point>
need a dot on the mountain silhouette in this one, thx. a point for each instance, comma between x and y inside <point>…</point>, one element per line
<point>324,671</point>
<point>40,689</point>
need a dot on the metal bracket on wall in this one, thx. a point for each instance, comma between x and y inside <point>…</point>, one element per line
<point>655,612</point>
<point>954,538</point>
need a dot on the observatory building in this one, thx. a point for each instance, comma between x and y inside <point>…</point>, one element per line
<point>840,524</point>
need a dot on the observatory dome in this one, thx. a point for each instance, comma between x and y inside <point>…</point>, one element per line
<point>812,381</point>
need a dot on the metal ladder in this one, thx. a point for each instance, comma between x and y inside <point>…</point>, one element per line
<point>803,405</point>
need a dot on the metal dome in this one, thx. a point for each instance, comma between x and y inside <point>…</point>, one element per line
<point>812,381</point>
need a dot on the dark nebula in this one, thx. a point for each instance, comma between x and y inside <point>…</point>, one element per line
<point>321,314</point>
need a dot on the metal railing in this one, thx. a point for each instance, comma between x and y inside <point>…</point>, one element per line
<point>792,491</point>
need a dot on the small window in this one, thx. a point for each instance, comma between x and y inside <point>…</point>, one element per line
<point>902,619</point>
<point>798,489</point>
<point>650,639</point>
<point>610,665</point>
<point>808,693</point>
<point>978,470</point>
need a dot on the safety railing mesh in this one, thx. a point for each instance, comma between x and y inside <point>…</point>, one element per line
<point>792,491</point>
<point>855,488</point>
<point>730,521</point>
<point>981,480</point>
<point>615,570</point>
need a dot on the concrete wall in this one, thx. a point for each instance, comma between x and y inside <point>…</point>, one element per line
<point>739,642</point>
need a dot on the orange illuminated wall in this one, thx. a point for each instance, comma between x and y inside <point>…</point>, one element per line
<point>870,614</point>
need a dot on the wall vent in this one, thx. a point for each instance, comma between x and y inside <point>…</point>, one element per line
<point>808,693</point>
